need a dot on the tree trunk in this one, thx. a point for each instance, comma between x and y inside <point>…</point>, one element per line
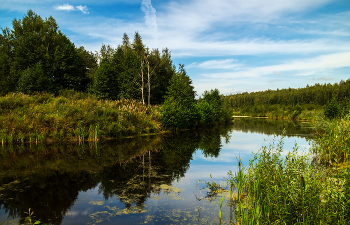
<point>142,84</point>
<point>149,84</point>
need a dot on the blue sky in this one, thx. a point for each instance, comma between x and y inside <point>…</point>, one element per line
<point>234,46</point>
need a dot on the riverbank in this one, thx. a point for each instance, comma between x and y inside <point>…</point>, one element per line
<point>296,189</point>
<point>76,117</point>
<point>288,114</point>
<point>73,116</point>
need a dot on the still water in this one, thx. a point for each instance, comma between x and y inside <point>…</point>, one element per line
<point>146,180</point>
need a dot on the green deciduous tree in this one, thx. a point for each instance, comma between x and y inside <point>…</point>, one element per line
<point>33,80</point>
<point>34,40</point>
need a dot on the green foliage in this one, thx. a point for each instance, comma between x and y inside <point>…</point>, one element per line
<point>181,92</point>
<point>216,102</point>
<point>288,190</point>
<point>33,42</point>
<point>178,110</point>
<point>333,138</point>
<point>28,219</point>
<point>174,116</point>
<point>34,80</point>
<point>332,110</point>
<point>285,103</point>
<point>206,113</point>
<point>105,85</point>
<point>133,72</point>
<point>80,116</point>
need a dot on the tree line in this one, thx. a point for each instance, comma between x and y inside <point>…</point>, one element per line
<point>318,94</point>
<point>35,56</point>
<point>292,100</point>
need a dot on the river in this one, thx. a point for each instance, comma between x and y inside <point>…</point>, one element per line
<point>144,180</point>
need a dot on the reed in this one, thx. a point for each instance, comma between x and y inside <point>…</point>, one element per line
<point>332,145</point>
<point>289,190</point>
<point>220,204</point>
<point>3,136</point>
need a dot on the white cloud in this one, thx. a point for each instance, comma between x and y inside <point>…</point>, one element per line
<point>216,64</point>
<point>198,15</point>
<point>308,66</point>
<point>261,78</point>
<point>150,14</point>
<point>65,7</point>
<point>84,9</point>
<point>188,32</point>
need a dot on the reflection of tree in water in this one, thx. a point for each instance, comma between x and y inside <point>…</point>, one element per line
<point>135,181</point>
<point>270,126</point>
<point>49,194</point>
<point>48,180</point>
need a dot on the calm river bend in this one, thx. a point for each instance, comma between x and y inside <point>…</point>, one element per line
<point>146,180</point>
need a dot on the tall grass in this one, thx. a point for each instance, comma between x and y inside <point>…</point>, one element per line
<point>72,116</point>
<point>332,145</point>
<point>274,189</point>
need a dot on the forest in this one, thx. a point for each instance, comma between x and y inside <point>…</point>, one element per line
<point>37,57</point>
<point>52,90</point>
<point>302,103</point>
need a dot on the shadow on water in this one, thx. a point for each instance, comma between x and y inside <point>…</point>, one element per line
<point>49,178</point>
<point>273,126</point>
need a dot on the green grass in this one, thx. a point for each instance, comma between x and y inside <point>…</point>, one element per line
<point>333,141</point>
<point>302,112</point>
<point>296,189</point>
<point>72,116</point>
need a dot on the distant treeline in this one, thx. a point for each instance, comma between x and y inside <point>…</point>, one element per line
<point>35,56</point>
<point>290,102</point>
<point>318,94</point>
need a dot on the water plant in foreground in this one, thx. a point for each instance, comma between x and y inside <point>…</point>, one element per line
<point>28,219</point>
<point>291,189</point>
<point>221,200</point>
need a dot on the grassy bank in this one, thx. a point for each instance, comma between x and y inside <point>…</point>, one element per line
<point>296,189</point>
<point>72,116</point>
<point>303,112</point>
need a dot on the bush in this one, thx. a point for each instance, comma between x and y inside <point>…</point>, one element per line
<point>206,113</point>
<point>174,116</point>
<point>332,110</point>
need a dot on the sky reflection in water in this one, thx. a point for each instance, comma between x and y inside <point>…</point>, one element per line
<point>162,187</point>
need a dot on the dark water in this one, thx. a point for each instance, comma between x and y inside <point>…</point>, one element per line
<point>148,180</point>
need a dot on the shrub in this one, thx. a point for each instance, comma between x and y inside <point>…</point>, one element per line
<point>332,110</point>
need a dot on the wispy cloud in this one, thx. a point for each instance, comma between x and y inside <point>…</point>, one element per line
<point>308,67</point>
<point>67,7</point>
<point>322,78</point>
<point>216,64</point>
<point>84,9</point>
<point>150,14</point>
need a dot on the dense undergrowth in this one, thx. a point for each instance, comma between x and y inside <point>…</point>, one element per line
<point>78,116</point>
<point>296,189</point>
<point>72,116</point>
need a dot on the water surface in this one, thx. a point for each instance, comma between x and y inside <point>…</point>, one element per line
<point>145,180</point>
